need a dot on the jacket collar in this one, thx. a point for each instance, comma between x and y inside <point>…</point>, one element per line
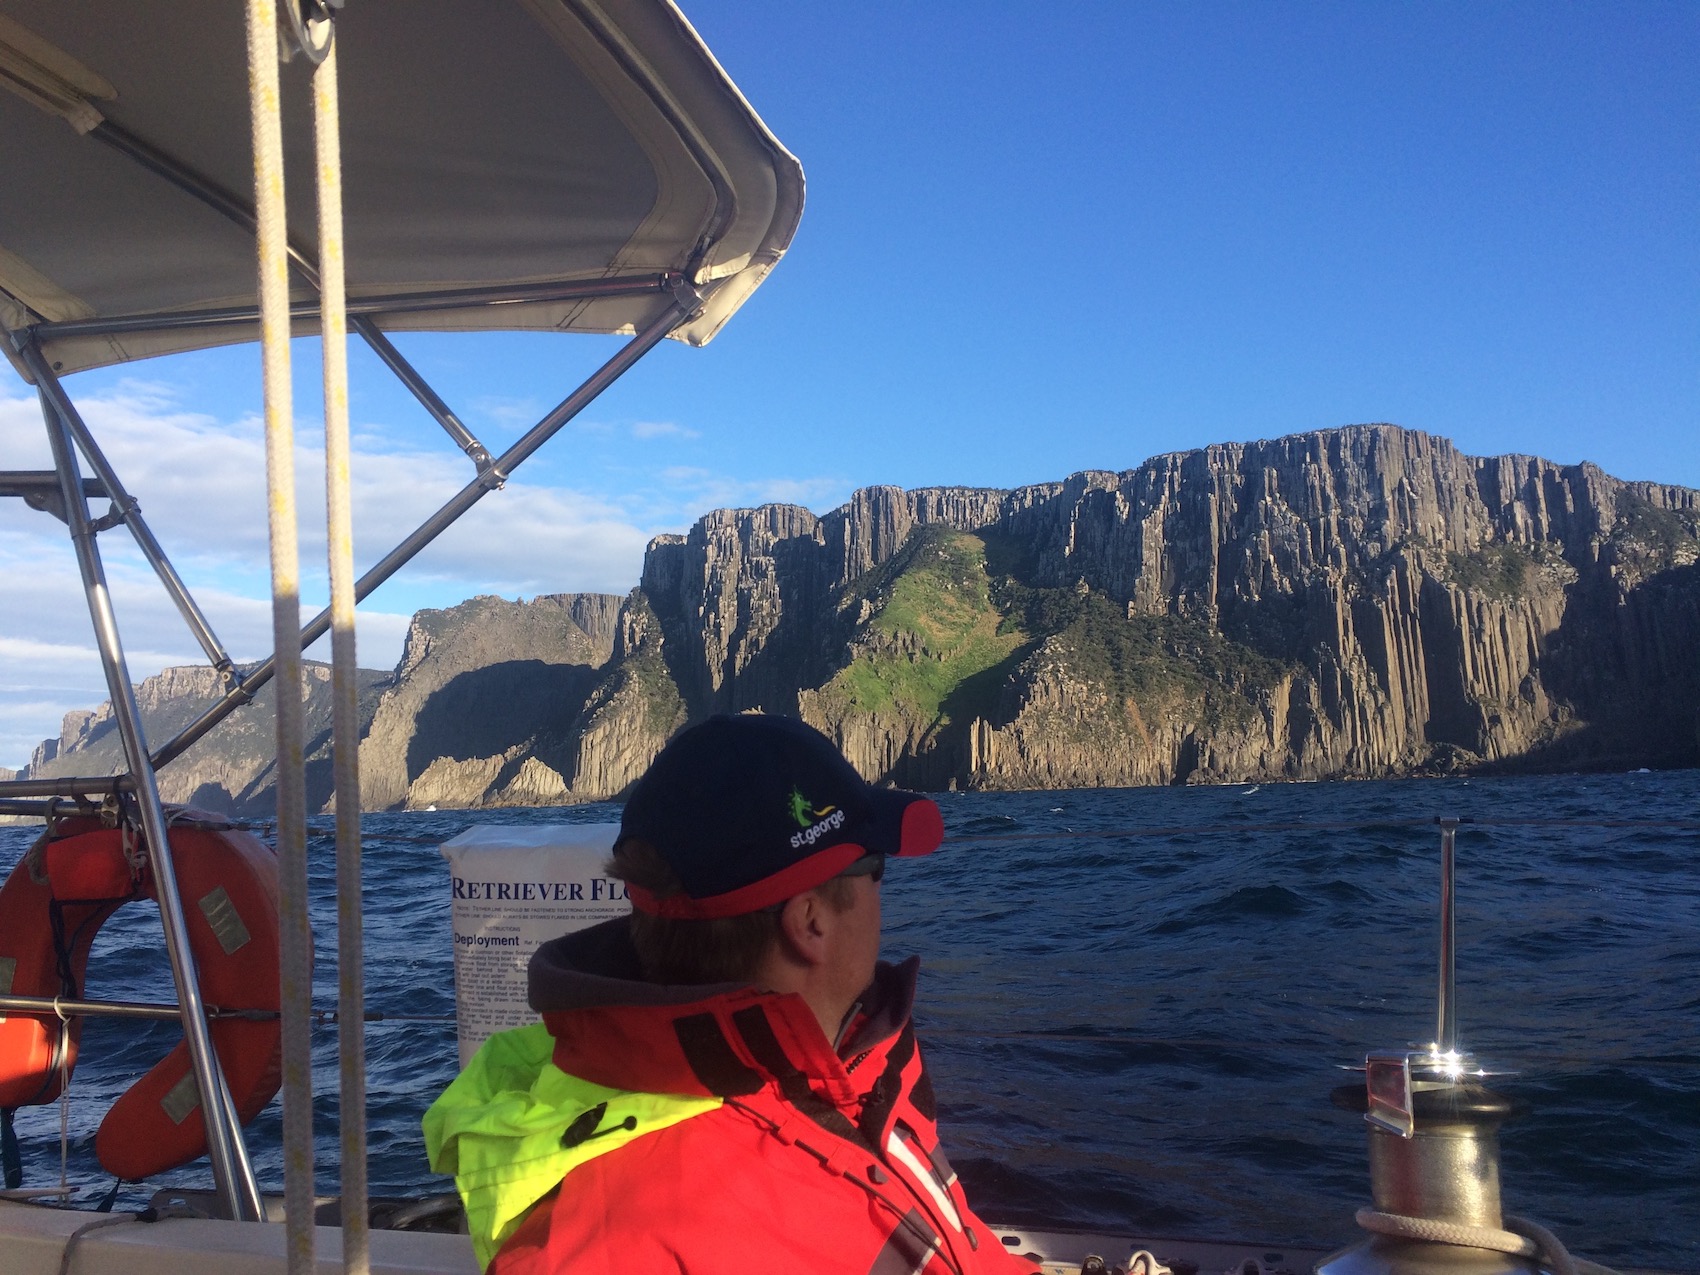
<point>725,1040</point>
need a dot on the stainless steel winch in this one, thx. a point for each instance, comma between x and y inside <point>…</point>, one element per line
<point>1434,1148</point>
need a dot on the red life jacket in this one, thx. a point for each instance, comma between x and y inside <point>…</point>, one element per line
<point>817,1160</point>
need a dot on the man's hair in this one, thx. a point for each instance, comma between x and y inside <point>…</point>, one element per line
<point>723,950</point>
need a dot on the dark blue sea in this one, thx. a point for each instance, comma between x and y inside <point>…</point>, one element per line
<point>1135,1002</point>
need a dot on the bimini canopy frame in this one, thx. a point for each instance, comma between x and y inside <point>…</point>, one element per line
<point>550,165</point>
<point>518,164</point>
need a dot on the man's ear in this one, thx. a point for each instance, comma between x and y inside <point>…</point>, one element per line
<point>803,928</point>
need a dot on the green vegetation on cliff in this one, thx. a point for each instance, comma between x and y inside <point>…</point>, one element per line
<point>663,707</point>
<point>644,673</point>
<point>1159,661</point>
<point>933,629</point>
<point>1497,570</point>
<point>1657,537</point>
<point>944,636</point>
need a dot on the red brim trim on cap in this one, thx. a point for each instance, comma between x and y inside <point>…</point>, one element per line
<point>805,874</point>
<point>923,828</point>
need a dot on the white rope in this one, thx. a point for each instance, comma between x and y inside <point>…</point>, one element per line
<point>1521,1237</point>
<point>296,939</point>
<point>345,688</point>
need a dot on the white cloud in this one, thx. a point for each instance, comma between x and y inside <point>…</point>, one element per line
<point>540,540</point>
<point>49,664</point>
<point>705,489</point>
<point>201,485</point>
<point>25,723</point>
<point>662,429</point>
<point>507,410</point>
<point>19,652</point>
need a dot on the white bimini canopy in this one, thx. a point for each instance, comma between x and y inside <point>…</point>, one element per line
<point>508,164</point>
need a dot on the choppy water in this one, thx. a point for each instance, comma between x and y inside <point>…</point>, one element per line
<point>1140,1032</point>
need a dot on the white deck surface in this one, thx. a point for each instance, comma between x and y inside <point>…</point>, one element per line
<point>33,1239</point>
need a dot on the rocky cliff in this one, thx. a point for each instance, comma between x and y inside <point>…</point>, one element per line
<point>479,688</point>
<point>231,769</point>
<point>1354,602</point>
<point>1363,601</point>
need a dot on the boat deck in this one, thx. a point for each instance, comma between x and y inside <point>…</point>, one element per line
<point>33,1239</point>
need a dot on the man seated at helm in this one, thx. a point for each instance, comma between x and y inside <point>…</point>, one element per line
<point>726,1080</point>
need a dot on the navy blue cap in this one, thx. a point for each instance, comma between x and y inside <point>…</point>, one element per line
<point>751,810</point>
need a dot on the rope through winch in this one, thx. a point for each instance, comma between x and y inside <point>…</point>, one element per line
<point>1520,1237</point>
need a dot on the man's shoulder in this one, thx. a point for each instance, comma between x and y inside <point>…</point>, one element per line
<point>719,1193</point>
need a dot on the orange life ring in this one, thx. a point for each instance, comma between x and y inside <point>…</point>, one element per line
<point>52,906</point>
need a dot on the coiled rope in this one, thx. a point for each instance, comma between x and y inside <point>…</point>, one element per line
<point>1521,1238</point>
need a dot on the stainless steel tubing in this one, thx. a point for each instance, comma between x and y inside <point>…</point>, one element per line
<point>236,210</point>
<point>421,390</point>
<point>686,300</point>
<point>232,1170</point>
<point>54,391</point>
<point>41,484</point>
<point>411,302</point>
<point>42,1006</point>
<point>67,786</point>
<point>440,521</point>
<point>28,809</point>
<point>1446,1024</point>
<point>507,462</point>
<point>180,175</point>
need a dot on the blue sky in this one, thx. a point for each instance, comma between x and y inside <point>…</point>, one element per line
<point>1038,239</point>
